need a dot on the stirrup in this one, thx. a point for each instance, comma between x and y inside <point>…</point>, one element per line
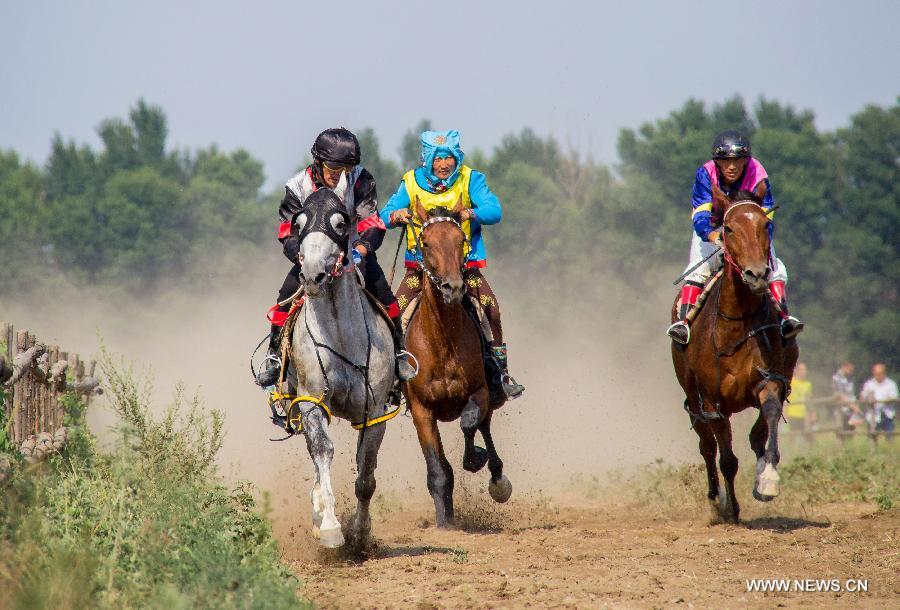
<point>511,387</point>
<point>791,327</point>
<point>264,378</point>
<point>401,361</point>
<point>679,337</point>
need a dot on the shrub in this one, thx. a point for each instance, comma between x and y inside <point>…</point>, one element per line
<point>149,524</point>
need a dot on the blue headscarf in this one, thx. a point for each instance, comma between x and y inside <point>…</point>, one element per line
<point>441,144</point>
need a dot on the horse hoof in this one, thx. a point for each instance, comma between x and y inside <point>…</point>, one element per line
<point>331,539</point>
<point>767,484</point>
<point>501,489</point>
<point>761,497</point>
<point>475,461</point>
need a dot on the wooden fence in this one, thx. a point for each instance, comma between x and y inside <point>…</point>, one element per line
<point>34,377</point>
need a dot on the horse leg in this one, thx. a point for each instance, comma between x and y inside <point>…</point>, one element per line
<point>766,447</point>
<point>474,458</point>
<point>440,474</point>
<point>728,463</point>
<point>708,451</point>
<point>321,449</point>
<point>366,462</point>
<point>499,487</point>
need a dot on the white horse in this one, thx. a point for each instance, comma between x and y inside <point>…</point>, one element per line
<point>342,362</point>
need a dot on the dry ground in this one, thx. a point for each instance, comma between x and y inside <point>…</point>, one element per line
<point>578,552</point>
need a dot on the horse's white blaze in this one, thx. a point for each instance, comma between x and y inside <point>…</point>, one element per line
<point>319,256</point>
<point>769,480</point>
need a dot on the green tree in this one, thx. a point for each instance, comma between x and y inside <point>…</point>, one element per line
<point>22,223</point>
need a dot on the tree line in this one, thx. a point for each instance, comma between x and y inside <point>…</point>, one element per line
<point>134,212</point>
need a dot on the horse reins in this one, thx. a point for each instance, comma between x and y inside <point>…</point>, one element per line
<point>434,278</point>
<point>763,309</point>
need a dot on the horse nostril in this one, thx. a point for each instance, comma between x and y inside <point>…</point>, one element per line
<point>320,277</point>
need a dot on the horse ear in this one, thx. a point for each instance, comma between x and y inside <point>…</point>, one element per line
<point>420,210</point>
<point>341,189</point>
<point>761,190</point>
<point>458,208</point>
<point>718,195</point>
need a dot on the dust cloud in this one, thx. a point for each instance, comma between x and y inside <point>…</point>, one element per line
<point>601,393</point>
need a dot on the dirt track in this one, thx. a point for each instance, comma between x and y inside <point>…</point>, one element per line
<point>534,553</point>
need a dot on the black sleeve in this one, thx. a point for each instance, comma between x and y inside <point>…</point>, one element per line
<point>371,228</point>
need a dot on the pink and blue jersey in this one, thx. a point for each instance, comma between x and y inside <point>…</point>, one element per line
<point>707,176</point>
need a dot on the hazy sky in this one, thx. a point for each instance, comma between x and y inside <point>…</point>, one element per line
<point>269,75</point>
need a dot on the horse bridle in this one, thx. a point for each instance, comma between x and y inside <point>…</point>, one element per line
<point>725,253</point>
<point>318,221</point>
<point>433,277</point>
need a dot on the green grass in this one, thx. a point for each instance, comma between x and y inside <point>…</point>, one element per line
<point>858,471</point>
<point>147,525</point>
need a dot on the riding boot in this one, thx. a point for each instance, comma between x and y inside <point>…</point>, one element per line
<point>680,331</point>
<point>404,371</point>
<point>790,326</point>
<point>510,387</point>
<point>271,370</point>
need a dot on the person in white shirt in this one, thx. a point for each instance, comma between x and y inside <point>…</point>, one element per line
<point>881,391</point>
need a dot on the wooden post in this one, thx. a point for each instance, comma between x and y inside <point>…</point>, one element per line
<point>32,401</point>
<point>79,375</point>
<point>91,372</point>
<point>4,336</point>
<point>21,346</point>
<point>50,404</point>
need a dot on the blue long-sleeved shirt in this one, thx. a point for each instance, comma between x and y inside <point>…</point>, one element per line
<point>701,199</point>
<point>485,205</point>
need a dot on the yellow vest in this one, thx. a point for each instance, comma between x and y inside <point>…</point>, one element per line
<point>431,200</point>
<point>801,391</point>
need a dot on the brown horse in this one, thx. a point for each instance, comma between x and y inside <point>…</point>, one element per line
<point>737,357</point>
<point>451,383</point>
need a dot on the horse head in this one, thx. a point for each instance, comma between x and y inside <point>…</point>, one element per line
<point>745,235</point>
<point>442,242</point>
<point>323,228</point>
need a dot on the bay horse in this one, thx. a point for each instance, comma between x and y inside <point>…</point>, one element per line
<point>341,360</point>
<point>451,383</point>
<point>737,357</point>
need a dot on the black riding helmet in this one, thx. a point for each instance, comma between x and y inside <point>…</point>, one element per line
<point>338,146</point>
<point>730,144</point>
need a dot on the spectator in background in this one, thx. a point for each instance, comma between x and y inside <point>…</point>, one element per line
<point>800,417</point>
<point>881,391</point>
<point>845,397</point>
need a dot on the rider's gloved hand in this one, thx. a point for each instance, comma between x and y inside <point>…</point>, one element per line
<point>400,217</point>
<point>715,237</point>
<point>357,257</point>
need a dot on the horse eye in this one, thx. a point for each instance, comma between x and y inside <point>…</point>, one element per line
<point>727,229</point>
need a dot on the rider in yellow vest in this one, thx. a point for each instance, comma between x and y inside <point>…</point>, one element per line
<point>439,182</point>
